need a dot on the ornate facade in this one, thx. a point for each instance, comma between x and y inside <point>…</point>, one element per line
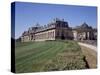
<point>85,32</point>
<point>59,29</point>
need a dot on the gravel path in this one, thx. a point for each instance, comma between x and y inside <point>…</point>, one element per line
<point>88,46</point>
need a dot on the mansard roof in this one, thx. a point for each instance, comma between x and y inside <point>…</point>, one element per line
<point>84,26</point>
<point>50,25</point>
<point>57,23</point>
<point>25,33</point>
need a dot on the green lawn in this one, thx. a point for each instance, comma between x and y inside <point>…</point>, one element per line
<point>48,56</point>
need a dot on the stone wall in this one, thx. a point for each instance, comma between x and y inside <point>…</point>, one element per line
<point>59,29</point>
<point>25,38</point>
<point>46,35</point>
<point>84,35</point>
<point>64,34</point>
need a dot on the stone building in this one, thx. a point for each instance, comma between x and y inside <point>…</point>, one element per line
<point>59,29</point>
<point>85,32</point>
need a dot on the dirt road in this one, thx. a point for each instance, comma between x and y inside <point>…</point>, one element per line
<point>88,46</point>
<point>90,53</point>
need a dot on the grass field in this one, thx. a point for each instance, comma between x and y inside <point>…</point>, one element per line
<point>48,56</point>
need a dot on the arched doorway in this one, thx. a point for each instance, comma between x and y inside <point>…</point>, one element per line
<point>62,35</point>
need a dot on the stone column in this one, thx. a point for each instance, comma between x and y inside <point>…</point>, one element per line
<point>88,35</point>
<point>75,35</point>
